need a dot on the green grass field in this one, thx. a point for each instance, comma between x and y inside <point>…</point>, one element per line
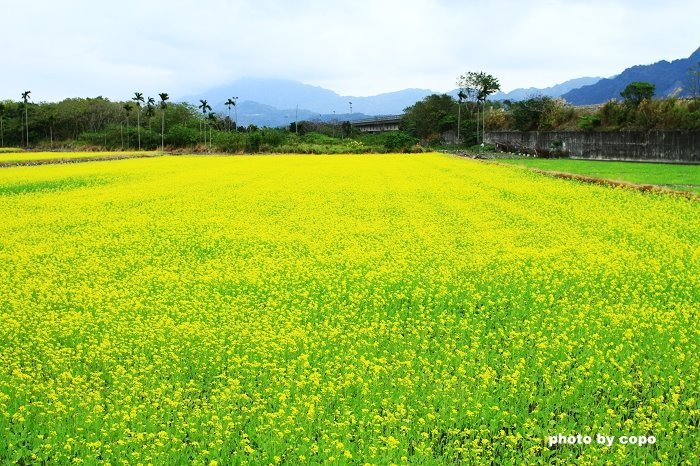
<point>672,176</point>
<point>365,309</point>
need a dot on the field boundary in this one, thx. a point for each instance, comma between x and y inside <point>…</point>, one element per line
<point>672,146</point>
<point>99,158</point>
<point>616,183</point>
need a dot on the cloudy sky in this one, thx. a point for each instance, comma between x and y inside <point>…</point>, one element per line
<point>85,48</point>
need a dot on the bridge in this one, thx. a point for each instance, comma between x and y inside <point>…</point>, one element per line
<point>378,124</point>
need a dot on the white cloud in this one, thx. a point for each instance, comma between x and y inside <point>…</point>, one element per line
<point>361,47</point>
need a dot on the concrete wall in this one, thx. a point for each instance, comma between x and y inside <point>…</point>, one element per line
<point>652,146</point>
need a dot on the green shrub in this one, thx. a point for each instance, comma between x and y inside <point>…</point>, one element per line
<point>318,138</point>
<point>253,142</point>
<point>182,136</point>
<point>589,122</point>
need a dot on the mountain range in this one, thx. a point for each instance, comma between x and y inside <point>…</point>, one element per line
<point>673,78</point>
<point>554,91</point>
<point>278,102</point>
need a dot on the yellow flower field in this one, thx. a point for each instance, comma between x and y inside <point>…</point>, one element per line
<point>375,309</point>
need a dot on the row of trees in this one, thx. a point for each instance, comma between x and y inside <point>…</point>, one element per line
<point>71,122</point>
<point>101,123</point>
<point>438,117</point>
<point>150,112</point>
<point>98,123</point>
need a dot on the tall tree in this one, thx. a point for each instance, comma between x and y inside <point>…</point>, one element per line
<point>138,98</point>
<point>127,108</point>
<point>163,105</point>
<point>480,86</point>
<point>204,107</point>
<point>461,97</point>
<point>635,92</point>
<point>150,110</point>
<point>430,118</point>
<point>25,98</point>
<point>231,103</point>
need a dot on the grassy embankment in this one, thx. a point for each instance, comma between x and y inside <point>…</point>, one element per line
<point>672,176</point>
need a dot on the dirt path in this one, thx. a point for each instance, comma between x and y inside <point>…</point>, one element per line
<point>99,158</point>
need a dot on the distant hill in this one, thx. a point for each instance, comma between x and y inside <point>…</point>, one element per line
<point>286,94</point>
<point>670,78</point>
<point>258,114</point>
<point>554,91</point>
<point>391,103</point>
<point>273,102</point>
<point>277,102</point>
<point>525,93</point>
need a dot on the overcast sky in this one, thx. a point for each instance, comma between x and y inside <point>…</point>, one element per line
<point>86,48</point>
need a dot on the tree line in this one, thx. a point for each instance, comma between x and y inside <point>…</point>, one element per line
<point>141,123</point>
<point>440,117</point>
<point>147,123</point>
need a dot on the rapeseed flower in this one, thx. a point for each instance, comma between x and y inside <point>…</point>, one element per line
<point>371,309</point>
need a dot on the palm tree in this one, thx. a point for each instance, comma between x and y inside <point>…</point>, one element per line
<point>150,110</point>
<point>462,97</point>
<point>2,130</point>
<point>127,107</point>
<point>25,97</point>
<point>138,98</point>
<point>204,107</point>
<point>231,103</point>
<point>163,98</point>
